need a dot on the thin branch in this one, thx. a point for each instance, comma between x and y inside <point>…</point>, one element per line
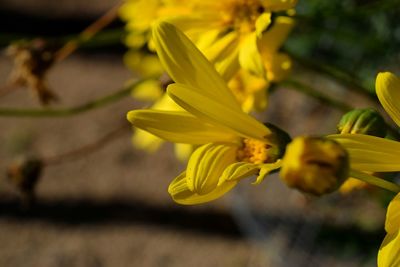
<point>339,75</point>
<point>65,112</point>
<point>308,90</point>
<point>88,33</point>
<point>87,149</point>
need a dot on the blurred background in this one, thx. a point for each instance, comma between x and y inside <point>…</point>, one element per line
<point>106,203</point>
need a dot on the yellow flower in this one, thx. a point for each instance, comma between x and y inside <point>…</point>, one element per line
<point>233,34</point>
<point>234,145</point>
<point>389,252</point>
<point>375,154</point>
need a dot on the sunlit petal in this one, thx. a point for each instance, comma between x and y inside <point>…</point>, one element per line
<point>388,92</point>
<point>238,171</point>
<point>278,66</point>
<point>249,57</point>
<point>216,113</point>
<point>146,141</point>
<point>272,40</point>
<point>183,151</point>
<point>185,64</point>
<point>178,127</point>
<point>206,165</point>
<point>392,223</point>
<point>262,23</point>
<point>265,169</point>
<point>389,252</point>
<point>181,193</point>
<point>370,153</point>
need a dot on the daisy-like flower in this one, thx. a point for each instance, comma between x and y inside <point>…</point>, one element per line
<point>231,33</point>
<point>375,154</point>
<point>233,145</point>
<point>238,36</point>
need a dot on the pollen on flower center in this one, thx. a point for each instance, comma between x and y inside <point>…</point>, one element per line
<point>254,151</point>
<point>242,14</point>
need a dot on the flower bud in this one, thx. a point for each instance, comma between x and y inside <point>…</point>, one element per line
<point>315,165</point>
<point>362,121</point>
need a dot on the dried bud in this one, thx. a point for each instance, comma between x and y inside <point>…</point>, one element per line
<point>363,121</point>
<point>315,165</point>
<point>32,61</point>
<point>24,175</point>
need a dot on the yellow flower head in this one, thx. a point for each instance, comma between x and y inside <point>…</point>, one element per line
<point>233,34</point>
<point>233,145</point>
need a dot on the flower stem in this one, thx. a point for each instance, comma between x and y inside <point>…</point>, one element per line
<point>88,33</point>
<point>337,74</point>
<point>370,179</point>
<point>308,90</point>
<point>65,112</point>
<point>87,149</point>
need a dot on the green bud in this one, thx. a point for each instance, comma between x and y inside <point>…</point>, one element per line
<point>315,165</point>
<point>363,121</point>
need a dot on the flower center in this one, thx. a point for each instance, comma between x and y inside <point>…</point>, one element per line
<point>242,14</point>
<point>254,151</point>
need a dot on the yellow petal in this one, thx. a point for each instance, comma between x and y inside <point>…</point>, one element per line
<point>166,103</point>
<point>388,92</point>
<point>278,5</point>
<point>272,39</point>
<point>185,64</point>
<point>278,67</point>
<point>207,39</point>
<point>389,252</point>
<point>266,168</point>
<point>216,113</point>
<point>240,170</point>
<point>370,153</point>
<point>392,224</point>
<point>227,67</point>
<point>139,14</point>
<point>146,65</point>
<point>183,151</point>
<point>149,90</point>
<point>178,127</point>
<point>146,141</point>
<point>206,165</point>
<point>262,23</point>
<point>222,48</point>
<point>249,56</point>
<point>181,193</point>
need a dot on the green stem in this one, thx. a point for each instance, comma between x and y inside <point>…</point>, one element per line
<point>298,86</point>
<point>339,75</point>
<point>370,179</point>
<point>65,112</point>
